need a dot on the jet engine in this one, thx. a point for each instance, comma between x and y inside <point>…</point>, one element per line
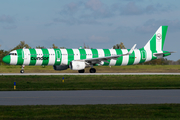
<point>60,67</point>
<point>77,65</point>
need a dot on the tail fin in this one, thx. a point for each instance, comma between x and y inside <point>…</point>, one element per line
<point>156,43</point>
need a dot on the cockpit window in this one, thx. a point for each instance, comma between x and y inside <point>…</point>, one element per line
<point>12,53</point>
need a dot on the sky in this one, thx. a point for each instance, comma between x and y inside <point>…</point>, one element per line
<point>96,23</point>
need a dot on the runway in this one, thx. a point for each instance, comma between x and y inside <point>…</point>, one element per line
<point>89,97</point>
<point>14,74</point>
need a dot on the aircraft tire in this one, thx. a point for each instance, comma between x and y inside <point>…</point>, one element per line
<point>22,71</point>
<point>92,70</point>
<point>81,71</point>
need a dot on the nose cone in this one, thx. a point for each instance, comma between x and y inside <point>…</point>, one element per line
<point>6,59</point>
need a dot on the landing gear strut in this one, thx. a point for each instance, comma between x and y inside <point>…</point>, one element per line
<point>92,70</point>
<point>81,71</point>
<point>22,69</point>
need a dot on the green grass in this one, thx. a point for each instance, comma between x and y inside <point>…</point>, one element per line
<point>91,82</point>
<point>94,112</point>
<point>99,69</point>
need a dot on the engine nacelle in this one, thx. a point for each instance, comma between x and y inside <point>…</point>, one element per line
<point>60,67</point>
<point>77,65</point>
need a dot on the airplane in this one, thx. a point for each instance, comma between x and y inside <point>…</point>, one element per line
<point>79,59</point>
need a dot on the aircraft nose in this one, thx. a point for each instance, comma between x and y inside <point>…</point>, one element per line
<point>6,59</point>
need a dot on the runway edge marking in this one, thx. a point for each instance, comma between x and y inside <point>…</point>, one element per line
<point>45,74</point>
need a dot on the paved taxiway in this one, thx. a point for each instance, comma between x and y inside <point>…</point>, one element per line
<point>89,74</point>
<point>89,97</point>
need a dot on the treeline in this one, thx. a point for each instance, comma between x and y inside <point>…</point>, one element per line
<point>162,61</point>
<point>22,44</point>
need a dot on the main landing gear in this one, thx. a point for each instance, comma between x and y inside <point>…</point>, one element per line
<point>22,69</point>
<point>81,71</point>
<point>92,70</point>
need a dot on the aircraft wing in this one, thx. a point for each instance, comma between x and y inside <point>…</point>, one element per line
<point>104,59</point>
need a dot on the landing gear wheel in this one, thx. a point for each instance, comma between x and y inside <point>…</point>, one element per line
<point>92,70</point>
<point>22,71</point>
<point>81,71</point>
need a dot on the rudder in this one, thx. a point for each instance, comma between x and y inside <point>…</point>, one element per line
<point>156,43</point>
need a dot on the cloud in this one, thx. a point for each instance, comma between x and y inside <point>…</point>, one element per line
<point>89,11</point>
<point>152,24</point>
<point>95,5</point>
<point>134,8</point>
<point>122,29</point>
<point>94,38</point>
<point>131,9</point>
<point>74,21</point>
<point>86,10</point>
<point>98,10</point>
<point>10,27</point>
<point>70,9</point>
<point>6,19</point>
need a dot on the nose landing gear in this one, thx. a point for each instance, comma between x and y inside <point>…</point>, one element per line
<point>22,69</point>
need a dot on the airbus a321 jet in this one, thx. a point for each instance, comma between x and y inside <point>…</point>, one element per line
<point>79,59</point>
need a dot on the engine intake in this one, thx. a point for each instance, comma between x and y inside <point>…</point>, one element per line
<point>77,65</point>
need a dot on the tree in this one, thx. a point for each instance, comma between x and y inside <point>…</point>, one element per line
<point>62,48</point>
<point>21,45</point>
<point>161,61</point>
<point>2,54</point>
<point>40,47</point>
<point>178,62</point>
<point>119,46</point>
<point>55,47</point>
<point>85,47</point>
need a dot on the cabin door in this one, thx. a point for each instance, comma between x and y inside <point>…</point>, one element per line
<point>143,54</point>
<point>58,55</point>
<point>24,54</point>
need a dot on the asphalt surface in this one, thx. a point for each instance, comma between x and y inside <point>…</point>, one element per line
<point>89,97</point>
<point>89,74</point>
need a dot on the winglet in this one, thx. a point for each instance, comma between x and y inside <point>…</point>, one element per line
<point>132,49</point>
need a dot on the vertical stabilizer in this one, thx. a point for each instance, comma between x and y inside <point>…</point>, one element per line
<point>156,43</point>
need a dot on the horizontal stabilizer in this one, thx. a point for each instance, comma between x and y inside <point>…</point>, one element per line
<point>156,54</point>
<point>160,55</point>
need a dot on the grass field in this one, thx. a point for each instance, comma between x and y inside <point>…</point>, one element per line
<point>95,112</point>
<point>92,82</point>
<point>99,69</point>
